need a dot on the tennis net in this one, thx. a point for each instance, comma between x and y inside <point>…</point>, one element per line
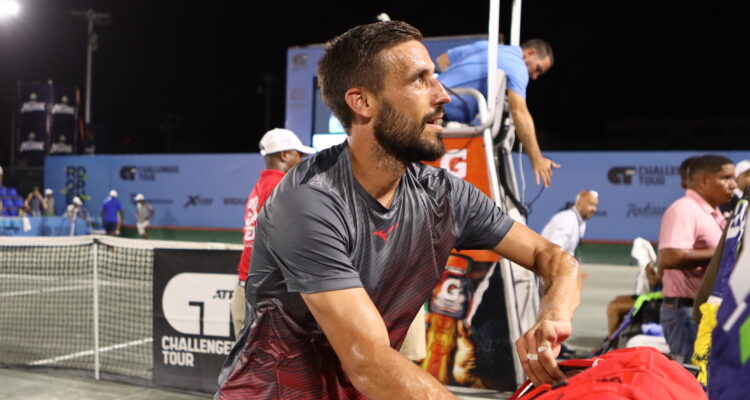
<point>81,303</point>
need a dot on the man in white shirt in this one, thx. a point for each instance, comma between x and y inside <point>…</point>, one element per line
<point>567,227</point>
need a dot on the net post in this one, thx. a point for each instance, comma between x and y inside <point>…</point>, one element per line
<point>95,282</point>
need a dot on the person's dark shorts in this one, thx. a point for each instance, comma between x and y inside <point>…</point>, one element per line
<point>110,227</point>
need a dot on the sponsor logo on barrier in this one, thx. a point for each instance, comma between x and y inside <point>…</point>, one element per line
<point>621,175</point>
<point>75,183</point>
<point>647,210</point>
<point>31,144</point>
<point>647,175</point>
<point>197,200</point>
<point>197,304</point>
<point>146,172</point>
<point>127,173</point>
<point>455,161</point>
<point>151,200</point>
<point>234,201</point>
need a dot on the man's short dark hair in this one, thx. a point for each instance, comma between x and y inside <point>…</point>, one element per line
<point>686,168</point>
<point>354,59</point>
<point>710,163</point>
<point>543,49</point>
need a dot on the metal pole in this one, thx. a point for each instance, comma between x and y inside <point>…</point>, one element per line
<point>95,282</point>
<point>515,23</point>
<point>492,42</point>
<point>89,52</point>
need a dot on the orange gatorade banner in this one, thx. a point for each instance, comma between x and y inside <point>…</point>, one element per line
<point>465,158</point>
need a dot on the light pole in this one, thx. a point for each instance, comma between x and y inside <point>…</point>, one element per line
<point>9,8</point>
<point>92,18</point>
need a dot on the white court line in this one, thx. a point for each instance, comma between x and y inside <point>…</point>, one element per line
<point>43,290</point>
<point>87,285</point>
<point>90,352</point>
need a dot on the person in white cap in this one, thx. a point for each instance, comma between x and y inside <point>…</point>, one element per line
<point>281,150</point>
<point>112,214</point>
<point>742,177</point>
<point>75,209</point>
<point>143,214</point>
<point>49,201</point>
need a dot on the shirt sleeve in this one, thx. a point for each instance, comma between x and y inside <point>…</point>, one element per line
<point>458,53</point>
<point>477,221</point>
<point>307,236</point>
<point>677,230</point>
<point>511,61</point>
<point>560,231</point>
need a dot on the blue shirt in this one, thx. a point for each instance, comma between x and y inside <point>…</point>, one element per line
<point>468,68</point>
<point>110,209</point>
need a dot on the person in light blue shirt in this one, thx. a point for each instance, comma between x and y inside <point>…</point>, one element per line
<point>466,66</point>
<point>112,214</point>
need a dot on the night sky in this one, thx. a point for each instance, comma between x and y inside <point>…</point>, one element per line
<point>628,76</point>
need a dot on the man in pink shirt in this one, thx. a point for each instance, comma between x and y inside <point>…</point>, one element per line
<point>690,231</point>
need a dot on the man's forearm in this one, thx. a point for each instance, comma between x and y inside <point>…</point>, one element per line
<point>389,375</point>
<point>563,277</point>
<point>526,133</point>
<point>684,258</point>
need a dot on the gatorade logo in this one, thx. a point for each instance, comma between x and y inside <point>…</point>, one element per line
<point>199,303</point>
<point>455,162</point>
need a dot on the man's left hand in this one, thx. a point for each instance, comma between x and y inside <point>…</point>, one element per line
<point>543,169</point>
<point>539,347</point>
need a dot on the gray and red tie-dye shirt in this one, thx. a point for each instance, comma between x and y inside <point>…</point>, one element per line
<point>322,231</point>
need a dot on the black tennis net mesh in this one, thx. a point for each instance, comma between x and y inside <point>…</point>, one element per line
<point>80,303</point>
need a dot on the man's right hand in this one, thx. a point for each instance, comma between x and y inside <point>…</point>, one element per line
<point>357,333</point>
<point>543,169</point>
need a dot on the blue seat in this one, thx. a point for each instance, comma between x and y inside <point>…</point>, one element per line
<point>3,191</point>
<point>8,202</point>
<point>18,201</point>
<point>11,192</point>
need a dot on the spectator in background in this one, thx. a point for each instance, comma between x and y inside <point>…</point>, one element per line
<point>49,199</point>
<point>466,66</point>
<point>689,233</point>
<point>567,227</point>
<point>75,209</point>
<point>281,150</point>
<point>112,214</point>
<point>684,170</point>
<point>35,204</point>
<point>742,177</point>
<point>143,214</point>
<point>1,176</point>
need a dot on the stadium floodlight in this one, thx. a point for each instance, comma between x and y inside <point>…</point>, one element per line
<point>9,8</point>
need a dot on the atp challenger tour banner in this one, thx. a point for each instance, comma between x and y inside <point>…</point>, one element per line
<point>635,188</point>
<point>186,190</point>
<point>192,327</point>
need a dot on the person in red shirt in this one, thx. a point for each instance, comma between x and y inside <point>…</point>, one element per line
<point>282,150</point>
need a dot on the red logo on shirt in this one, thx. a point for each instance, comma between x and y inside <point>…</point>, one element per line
<point>384,235</point>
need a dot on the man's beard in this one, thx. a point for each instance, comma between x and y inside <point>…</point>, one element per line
<point>402,138</point>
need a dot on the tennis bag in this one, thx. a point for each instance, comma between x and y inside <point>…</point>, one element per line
<point>636,373</point>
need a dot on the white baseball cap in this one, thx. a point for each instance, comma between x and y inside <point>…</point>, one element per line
<point>741,167</point>
<point>113,193</point>
<point>47,191</point>
<point>138,197</point>
<point>77,201</point>
<point>279,139</point>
